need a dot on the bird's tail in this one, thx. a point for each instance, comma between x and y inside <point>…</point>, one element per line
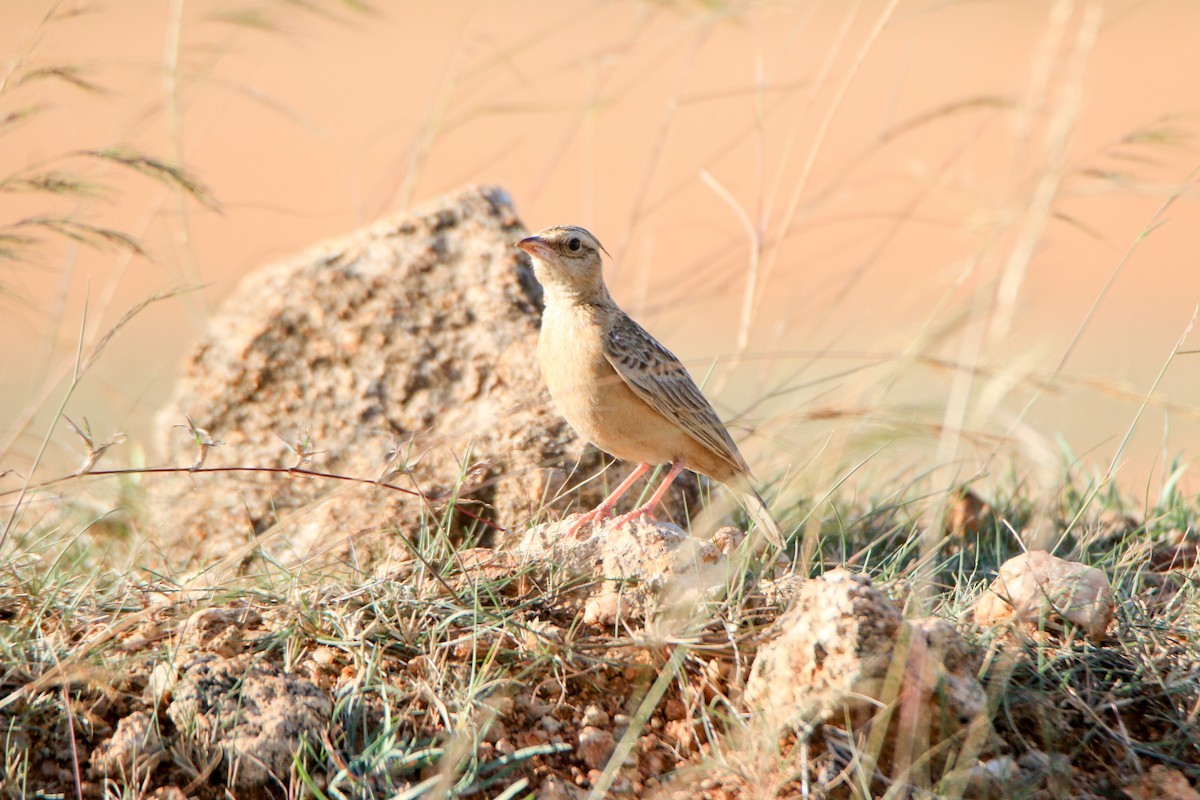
<point>756,507</point>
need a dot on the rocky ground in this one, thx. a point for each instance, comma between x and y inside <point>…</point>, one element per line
<point>430,629</point>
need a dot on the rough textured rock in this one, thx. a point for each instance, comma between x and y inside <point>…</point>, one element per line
<point>846,657</point>
<point>555,788</point>
<point>644,566</point>
<point>167,793</point>
<point>595,746</point>
<point>992,778</point>
<point>1036,590</point>
<point>257,715</point>
<point>418,331</point>
<point>1161,783</point>
<point>134,748</point>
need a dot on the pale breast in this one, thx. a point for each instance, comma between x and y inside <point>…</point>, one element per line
<point>592,396</point>
<point>571,352</point>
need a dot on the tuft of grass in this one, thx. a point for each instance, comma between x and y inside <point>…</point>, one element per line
<point>60,192</point>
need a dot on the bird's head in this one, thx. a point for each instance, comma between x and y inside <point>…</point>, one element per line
<point>566,260</point>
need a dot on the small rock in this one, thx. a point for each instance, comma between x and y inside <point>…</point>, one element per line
<point>990,778</point>
<point>647,567</point>
<point>555,788</point>
<point>133,748</point>
<point>422,666</point>
<point>541,635</point>
<point>496,732</point>
<point>167,793</point>
<point>728,539</point>
<point>675,709</point>
<point>159,684</point>
<point>621,786</point>
<point>595,747</point>
<point>1034,761</point>
<point>1000,769</point>
<point>594,717</point>
<point>1161,783</point>
<point>324,656</point>
<point>1038,761</point>
<point>680,734</point>
<point>602,609</point>
<point>1035,589</point>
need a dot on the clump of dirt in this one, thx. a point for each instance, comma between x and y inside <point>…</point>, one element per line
<point>862,655</point>
<point>256,715</point>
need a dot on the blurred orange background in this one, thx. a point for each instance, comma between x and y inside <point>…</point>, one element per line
<point>972,227</point>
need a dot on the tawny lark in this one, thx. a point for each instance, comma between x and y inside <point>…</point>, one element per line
<point>622,390</point>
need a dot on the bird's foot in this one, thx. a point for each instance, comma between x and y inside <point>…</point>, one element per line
<point>638,513</point>
<point>579,521</point>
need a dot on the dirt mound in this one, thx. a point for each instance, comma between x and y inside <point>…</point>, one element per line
<point>414,337</point>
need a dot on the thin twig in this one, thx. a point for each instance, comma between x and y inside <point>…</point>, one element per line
<point>308,473</point>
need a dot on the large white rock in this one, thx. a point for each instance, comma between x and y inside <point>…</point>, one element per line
<point>1037,591</point>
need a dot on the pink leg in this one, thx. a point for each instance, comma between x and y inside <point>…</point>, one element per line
<point>605,508</point>
<point>647,510</point>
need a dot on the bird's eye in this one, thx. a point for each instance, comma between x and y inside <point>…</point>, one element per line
<point>573,244</point>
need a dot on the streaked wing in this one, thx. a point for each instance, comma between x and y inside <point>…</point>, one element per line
<point>657,377</point>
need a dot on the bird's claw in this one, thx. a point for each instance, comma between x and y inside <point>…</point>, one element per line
<point>579,521</point>
<point>637,513</point>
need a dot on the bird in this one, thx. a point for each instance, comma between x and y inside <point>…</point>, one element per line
<point>620,389</point>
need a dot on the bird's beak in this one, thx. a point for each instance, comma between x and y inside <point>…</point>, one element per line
<point>536,246</point>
